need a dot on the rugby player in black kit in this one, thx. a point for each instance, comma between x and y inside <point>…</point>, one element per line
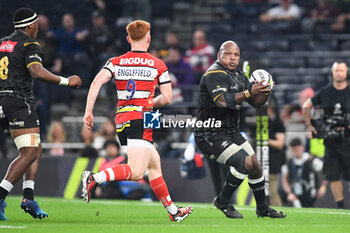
<point>222,89</point>
<point>20,62</point>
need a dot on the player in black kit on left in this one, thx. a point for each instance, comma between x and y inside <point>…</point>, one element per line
<point>20,62</point>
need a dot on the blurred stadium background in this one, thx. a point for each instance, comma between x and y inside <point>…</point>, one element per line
<point>298,53</point>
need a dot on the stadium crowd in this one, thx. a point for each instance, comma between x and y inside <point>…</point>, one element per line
<point>80,41</point>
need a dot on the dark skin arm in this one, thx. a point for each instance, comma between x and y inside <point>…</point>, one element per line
<point>259,100</point>
<point>221,102</point>
<point>39,72</point>
<point>257,89</point>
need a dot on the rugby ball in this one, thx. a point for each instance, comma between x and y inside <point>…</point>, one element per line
<point>262,75</point>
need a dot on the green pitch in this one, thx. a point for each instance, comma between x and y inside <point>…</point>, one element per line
<point>105,216</point>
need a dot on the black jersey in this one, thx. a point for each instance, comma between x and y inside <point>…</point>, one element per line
<point>333,102</point>
<point>17,52</point>
<point>214,83</point>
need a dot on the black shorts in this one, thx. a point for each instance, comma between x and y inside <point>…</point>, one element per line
<point>214,146</point>
<point>17,114</point>
<point>336,162</point>
<point>133,130</point>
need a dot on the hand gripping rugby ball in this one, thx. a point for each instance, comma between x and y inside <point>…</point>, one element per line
<point>262,75</point>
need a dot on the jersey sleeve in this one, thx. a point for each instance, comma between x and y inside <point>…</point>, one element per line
<point>216,84</point>
<point>32,53</point>
<point>316,99</point>
<point>163,76</point>
<point>284,169</point>
<point>110,67</point>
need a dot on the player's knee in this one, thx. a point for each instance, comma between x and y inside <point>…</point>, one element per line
<point>137,178</point>
<point>238,161</point>
<point>29,153</point>
<point>137,175</point>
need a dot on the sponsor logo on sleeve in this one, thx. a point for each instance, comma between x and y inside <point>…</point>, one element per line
<point>218,88</point>
<point>35,56</point>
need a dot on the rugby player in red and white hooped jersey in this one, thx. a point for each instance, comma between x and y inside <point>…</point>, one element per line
<point>136,74</point>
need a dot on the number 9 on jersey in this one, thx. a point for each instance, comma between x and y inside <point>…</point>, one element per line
<point>131,88</point>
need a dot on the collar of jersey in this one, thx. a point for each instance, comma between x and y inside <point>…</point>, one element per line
<point>22,33</point>
<point>138,51</point>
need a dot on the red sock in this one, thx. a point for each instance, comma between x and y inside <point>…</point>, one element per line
<point>118,172</point>
<point>161,190</point>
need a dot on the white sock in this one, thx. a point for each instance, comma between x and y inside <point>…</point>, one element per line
<point>100,177</point>
<point>6,185</point>
<point>172,209</point>
<point>28,184</point>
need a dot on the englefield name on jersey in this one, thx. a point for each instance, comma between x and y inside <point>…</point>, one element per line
<point>134,72</point>
<point>156,120</point>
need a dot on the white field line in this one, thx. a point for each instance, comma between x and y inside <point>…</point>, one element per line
<point>206,206</point>
<point>13,227</point>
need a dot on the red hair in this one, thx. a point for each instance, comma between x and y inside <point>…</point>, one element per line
<point>138,29</point>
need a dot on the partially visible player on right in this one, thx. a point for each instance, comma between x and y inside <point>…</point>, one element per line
<point>334,100</point>
<point>136,75</point>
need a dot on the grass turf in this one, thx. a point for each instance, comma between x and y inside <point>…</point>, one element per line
<point>74,216</point>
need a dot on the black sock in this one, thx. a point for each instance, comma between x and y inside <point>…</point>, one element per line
<point>3,193</point>
<point>259,194</point>
<point>28,193</point>
<point>340,204</point>
<point>231,184</point>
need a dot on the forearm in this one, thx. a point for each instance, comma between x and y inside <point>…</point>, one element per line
<point>101,78</point>
<point>240,97</point>
<point>286,187</point>
<point>160,101</point>
<point>228,100</point>
<point>165,97</point>
<point>323,187</point>
<point>92,96</point>
<point>306,108</point>
<point>275,144</point>
<point>258,101</point>
<point>39,72</point>
<point>307,116</point>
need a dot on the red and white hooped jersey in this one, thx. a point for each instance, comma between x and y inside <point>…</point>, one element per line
<point>136,76</point>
